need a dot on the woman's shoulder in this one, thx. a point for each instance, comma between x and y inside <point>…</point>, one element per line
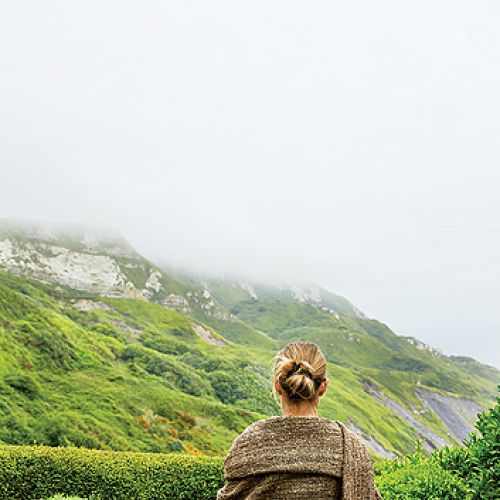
<point>296,421</point>
<point>299,429</point>
<point>293,426</point>
<point>287,443</point>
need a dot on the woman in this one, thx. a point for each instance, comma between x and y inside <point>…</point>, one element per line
<point>298,455</point>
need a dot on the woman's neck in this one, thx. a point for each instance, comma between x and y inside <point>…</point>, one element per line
<point>298,409</point>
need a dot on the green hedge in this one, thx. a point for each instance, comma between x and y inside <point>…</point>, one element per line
<point>35,472</point>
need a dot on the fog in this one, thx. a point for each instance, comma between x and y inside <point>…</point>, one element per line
<point>352,144</point>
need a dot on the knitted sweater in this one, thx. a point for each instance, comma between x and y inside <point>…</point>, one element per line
<point>296,458</point>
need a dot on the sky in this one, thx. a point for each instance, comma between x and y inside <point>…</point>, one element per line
<point>352,144</point>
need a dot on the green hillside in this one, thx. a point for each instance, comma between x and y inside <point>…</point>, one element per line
<point>130,375</point>
<point>163,362</point>
<point>125,374</point>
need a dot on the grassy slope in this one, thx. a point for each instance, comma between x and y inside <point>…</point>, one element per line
<point>136,377</point>
<point>67,376</point>
<point>374,353</point>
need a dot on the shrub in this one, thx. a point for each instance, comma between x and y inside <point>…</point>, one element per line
<point>105,329</point>
<point>241,383</point>
<point>15,429</point>
<point>23,384</point>
<point>168,367</point>
<point>34,472</point>
<point>164,343</point>
<point>176,445</point>
<point>477,463</point>
<point>62,497</point>
<point>70,428</point>
<point>55,346</point>
<point>471,471</point>
<point>419,477</point>
<point>226,388</point>
<point>485,454</point>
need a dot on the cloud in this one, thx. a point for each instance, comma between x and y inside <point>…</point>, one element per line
<point>353,145</point>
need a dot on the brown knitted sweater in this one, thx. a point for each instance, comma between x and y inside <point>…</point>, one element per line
<point>295,458</point>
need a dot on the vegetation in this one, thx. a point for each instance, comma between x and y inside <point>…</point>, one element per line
<point>469,472</point>
<point>188,369</point>
<point>419,477</point>
<point>130,376</point>
<point>62,497</point>
<point>41,472</point>
<point>463,473</point>
<point>82,370</point>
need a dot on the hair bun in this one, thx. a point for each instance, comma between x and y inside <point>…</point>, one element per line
<point>297,379</point>
<point>300,368</point>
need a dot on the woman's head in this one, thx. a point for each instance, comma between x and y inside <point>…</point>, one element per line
<point>300,372</point>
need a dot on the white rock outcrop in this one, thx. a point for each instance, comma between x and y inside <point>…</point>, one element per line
<point>96,273</point>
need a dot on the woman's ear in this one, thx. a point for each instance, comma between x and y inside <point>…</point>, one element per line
<point>323,387</point>
<point>277,387</point>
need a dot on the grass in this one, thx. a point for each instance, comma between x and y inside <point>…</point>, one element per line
<point>135,376</point>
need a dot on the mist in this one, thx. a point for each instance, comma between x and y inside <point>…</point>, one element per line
<point>352,145</point>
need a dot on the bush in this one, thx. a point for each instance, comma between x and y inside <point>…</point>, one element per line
<point>478,463</point>
<point>62,497</point>
<point>485,455</point>
<point>34,472</point>
<point>164,343</point>
<point>168,367</point>
<point>419,477</point>
<point>23,384</point>
<point>56,347</point>
<point>15,429</point>
<point>71,428</point>
<point>471,471</point>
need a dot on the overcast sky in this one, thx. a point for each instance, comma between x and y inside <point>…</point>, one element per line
<point>354,144</point>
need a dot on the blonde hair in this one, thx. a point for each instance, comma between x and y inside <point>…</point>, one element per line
<point>300,367</point>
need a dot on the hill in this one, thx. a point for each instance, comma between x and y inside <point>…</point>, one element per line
<point>101,348</point>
